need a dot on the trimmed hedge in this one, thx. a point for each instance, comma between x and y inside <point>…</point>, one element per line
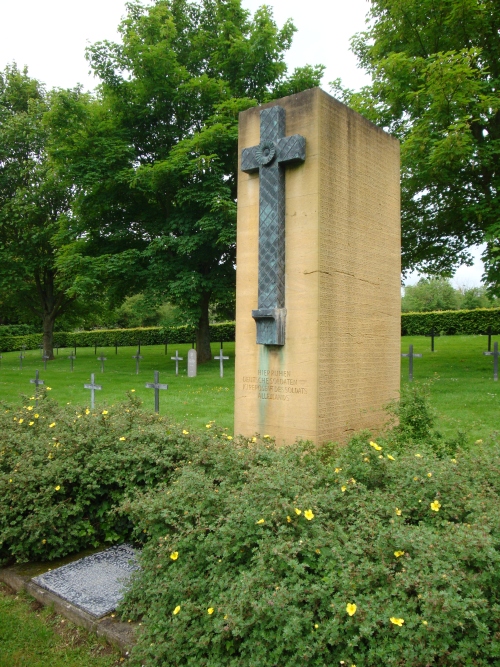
<point>123,337</point>
<point>451,322</point>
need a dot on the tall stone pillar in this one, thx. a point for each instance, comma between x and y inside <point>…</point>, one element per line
<point>318,310</point>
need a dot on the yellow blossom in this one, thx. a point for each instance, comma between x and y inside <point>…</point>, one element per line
<point>132,391</point>
<point>49,388</point>
<point>479,442</point>
<point>351,609</point>
<point>435,506</point>
<point>343,488</point>
<point>297,511</point>
<point>267,436</point>
<point>87,411</point>
<point>31,423</point>
<point>378,448</point>
<point>208,425</point>
<point>21,421</point>
<point>366,459</point>
<point>57,488</point>
<point>309,515</point>
<point>419,456</point>
<point>391,458</point>
<point>318,551</point>
<point>254,439</point>
<point>289,519</point>
<point>210,610</point>
<point>229,437</point>
<point>184,432</point>
<point>453,460</point>
<point>36,416</point>
<point>104,412</point>
<point>52,425</point>
<point>397,621</point>
<point>176,610</point>
<point>10,481</point>
<point>424,622</point>
<point>399,553</point>
<point>174,555</point>
<point>123,438</point>
<point>44,541</point>
<point>261,521</point>
<point>380,456</point>
<point>316,626</point>
<point>415,479</point>
<point>337,470</point>
<point>429,474</point>
<point>30,407</point>
<point>50,456</point>
<point>398,511</point>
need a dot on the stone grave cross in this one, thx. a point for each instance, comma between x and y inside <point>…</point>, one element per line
<point>93,387</point>
<point>489,332</point>
<point>156,386</point>
<point>177,359</point>
<point>411,355</point>
<point>72,359</point>
<point>494,354</point>
<point>21,357</point>
<point>102,359</point>
<point>137,358</point>
<point>37,382</point>
<point>269,158</point>
<point>221,358</point>
<point>45,359</point>
<point>432,334</point>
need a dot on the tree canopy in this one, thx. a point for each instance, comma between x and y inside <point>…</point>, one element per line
<point>436,78</point>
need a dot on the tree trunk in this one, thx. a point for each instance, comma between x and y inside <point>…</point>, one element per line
<point>48,335</point>
<point>204,353</point>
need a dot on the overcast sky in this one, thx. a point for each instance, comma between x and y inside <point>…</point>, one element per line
<point>50,36</point>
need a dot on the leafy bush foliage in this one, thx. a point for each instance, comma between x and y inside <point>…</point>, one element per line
<point>451,322</point>
<point>109,337</point>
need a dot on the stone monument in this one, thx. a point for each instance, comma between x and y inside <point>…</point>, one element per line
<point>192,363</point>
<point>318,271</point>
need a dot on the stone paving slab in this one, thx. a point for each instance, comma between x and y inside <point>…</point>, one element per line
<point>94,583</point>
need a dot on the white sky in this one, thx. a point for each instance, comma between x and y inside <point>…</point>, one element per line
<point>50,36</point>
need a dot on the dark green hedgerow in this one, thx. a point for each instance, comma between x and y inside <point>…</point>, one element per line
<point>252,553</point>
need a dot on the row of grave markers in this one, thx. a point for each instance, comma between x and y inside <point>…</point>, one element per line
<point>191,370</point>
<point>412,355</point>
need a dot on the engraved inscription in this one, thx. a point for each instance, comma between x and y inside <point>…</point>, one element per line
<point>274,385</point>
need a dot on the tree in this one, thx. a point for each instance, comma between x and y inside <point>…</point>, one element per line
<point>154,160</point>
<point>32,201</point>
<point>430,294</point>
<point>436,79</point>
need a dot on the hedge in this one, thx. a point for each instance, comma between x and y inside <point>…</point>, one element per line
<point>451,322</point>
<point>224,331</point>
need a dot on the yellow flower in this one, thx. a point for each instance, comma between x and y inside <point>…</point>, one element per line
<point>57,488</point>
<point>36,416</point>
<point>174,555</point>
<point>337,470</point>
<point>52,425</point>
<point>343,488</point>
<point>378,448</point>
<point>44,541</point>
<point>352,480</point>
<point>184,432</point>
<point>30,407</point>
<point>10,481</point>
<point>297,511</point>
<point>267,436</point>
<point>435,506</point>
<point>176,610</point>
<point>318,551</point>
<point>104,412</point>
<point>399,553</point>
<point>391,458</point>
<point>123,438</point>
<point>351,609</point>
<point>429,474</point>
<point>479,442</point>
<point>132,391</point>
<point>49,388</point>
<point>31,423</point>
<point>289,519</point>
<point>210,610</point>
<point>87,411</point>
<point>261,521</point>
<point>229,437</point>
<point>254,439</point>
<point>380,456</point>
<point>309,515</point>
<point>424,622</point>
<point>415,479</point>
<point>366,459</point>
<point>21,421</point>
<point>208,425</point>
<point>397,621</point>
<point>316,626</point>
<point>50,456</point>
<point>419,456</point>
<point>453,460</point>
<point>398,511</point>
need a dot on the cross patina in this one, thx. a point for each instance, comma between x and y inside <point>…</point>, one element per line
<point>269,158</point>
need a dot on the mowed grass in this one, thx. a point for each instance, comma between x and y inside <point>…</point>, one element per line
<point>193,401</point>
<point>462,391</point>
<point>34,637</point>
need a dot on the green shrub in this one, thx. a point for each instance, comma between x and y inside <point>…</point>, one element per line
<point>451,322</point>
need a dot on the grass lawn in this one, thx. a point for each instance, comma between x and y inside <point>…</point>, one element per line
<point>463,391</point>
<point>39,639</point>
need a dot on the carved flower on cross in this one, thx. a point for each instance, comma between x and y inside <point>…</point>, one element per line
<point>265,152</point>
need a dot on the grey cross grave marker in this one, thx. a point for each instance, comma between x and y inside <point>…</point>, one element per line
<point>21,357</point>
<point>489,332</point>
<point>93,387</point>
<point>410,356</point>
<point>40,347</point>
<point>494,354</point>
<point>432,334</point>
<point>221,358</point>
<point>72,359</point>
<point>102,359</point>
<point>269,158</point>
<point>36,382</point>
<point>156,386</point>
<point>177,359</point>
<point>137,358</point>
<point>45,359</point>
